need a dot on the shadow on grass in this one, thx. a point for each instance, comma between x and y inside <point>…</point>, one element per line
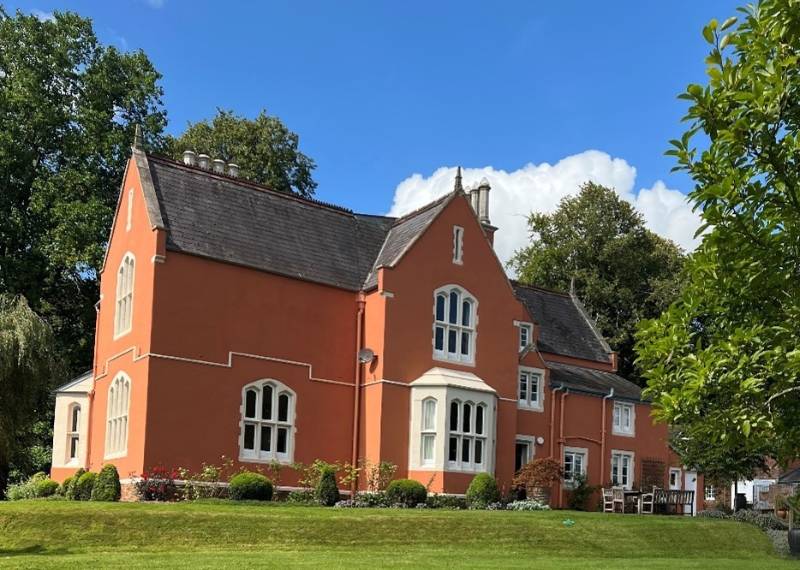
<point>33,549</point>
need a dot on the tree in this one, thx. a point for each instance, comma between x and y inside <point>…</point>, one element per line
<point>723,362</point>
<point>68,106</point>
<point>29,368</point>
<point>622,272</point>
<point>265,150</point>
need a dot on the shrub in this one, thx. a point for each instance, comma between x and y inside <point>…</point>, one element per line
<point>367,499</point>
<point>378,475</point>
<point>158,484</point>
<point>539,473</point>
<point>62,489</point>
<point>580,493</point>
<point>327,492</point>
<point>249,486</point>
<point>106,486</point>
<point>449,502</point>
<point>527,505</point>
<point>84,486</point>
<point>44,488</point>
<point>303,497</point>
<point>482,491</point>
<point>406,492</point>
<point>37,486</point>
<point>70,488</point>
<point>764,522</point>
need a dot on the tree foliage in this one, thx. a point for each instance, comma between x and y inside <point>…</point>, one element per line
<point>622,271</point>
<point>723,363</point>
<point>265,150</point>
<point>29,369</point>
<point>68,106</point>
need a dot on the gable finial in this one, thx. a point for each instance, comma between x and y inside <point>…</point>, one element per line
<point>138,139</point>
<point>458,187</point>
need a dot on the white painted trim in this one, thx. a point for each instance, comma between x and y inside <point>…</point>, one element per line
<point>539,407</point>
<point>632,473</point>
<point>458,245</point>
<point>387,294</point>
<point>118,332</point>
<point>584,467</point>
<point>158,259</point>
<point>620,432</point>
<point>443,355</point>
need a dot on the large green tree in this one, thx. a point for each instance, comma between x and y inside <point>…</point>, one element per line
<point>723,363</point>
<point>622,271</point>
<point>68,106</point>
<point>30,367</point>
<point>264,148</point>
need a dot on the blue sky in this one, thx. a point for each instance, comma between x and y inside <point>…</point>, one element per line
<point>380,91</point>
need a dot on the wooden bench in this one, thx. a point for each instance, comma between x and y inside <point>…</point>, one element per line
<point>666,500</point>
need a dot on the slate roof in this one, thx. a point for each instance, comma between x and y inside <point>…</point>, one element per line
<point>790,477</point>
<point>74,382</point>
<point>233,220</point>
<point>592,381</point>
<point>564,327</point>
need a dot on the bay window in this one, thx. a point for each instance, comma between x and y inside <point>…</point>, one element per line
<point>466,436</point>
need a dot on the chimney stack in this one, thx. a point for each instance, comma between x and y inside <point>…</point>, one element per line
<point>233,170</point>
<point>203,161</point>
<point>219,166</point>
<point>189,157</point>
<point>483,201</point>
<point>472,192</point>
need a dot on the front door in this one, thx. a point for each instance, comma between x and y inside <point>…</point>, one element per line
<point>523,454</point>
<point>690,484</point>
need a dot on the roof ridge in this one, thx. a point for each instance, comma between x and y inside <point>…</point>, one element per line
<point>243,182</point>
<point>424,208</point>
<point>517,283</point>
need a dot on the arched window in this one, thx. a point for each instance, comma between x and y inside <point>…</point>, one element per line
<point>73,432</point>
<point>428,431</point>
<point>267,427</point>
<point>124,307</point>
<point>454,311</point>
<point>119,399</point>
<point>467,437</point>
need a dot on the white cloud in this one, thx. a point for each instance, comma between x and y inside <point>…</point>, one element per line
<point>43,16</point>
<point>540,187</point>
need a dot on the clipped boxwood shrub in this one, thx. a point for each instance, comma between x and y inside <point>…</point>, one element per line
<point>106,486</point>
<point>62,489</point>
<point>482,491</point>
<point>44,488</point>
<point>70,488</point>
<point>84,486</point>
<point>406,492</point>
<point>250,486</point>
<point>327,490</point>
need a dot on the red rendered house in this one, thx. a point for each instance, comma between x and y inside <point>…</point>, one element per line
<point>233,320</point>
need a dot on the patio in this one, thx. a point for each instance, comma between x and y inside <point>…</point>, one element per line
<point>656,501</point>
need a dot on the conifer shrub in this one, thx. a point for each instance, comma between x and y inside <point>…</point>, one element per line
<point>249,486</point>
<point>84,486</point>
<point>482,491</point>
<point>106,486</point>
<point>70,486</point>
<point>406,492</point>
<point>327,491</point>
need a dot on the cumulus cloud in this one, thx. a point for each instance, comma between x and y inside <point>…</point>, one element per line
<point>540,187</point>
<point>43,16</point>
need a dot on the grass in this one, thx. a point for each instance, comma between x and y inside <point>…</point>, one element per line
<point>60,534</point>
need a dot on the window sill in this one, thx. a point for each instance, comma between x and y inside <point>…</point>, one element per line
<point>249,459</point>
<point>623,433</point>
<point>539,409</point>
<point>116,455</point>
<point>440,358</point>
<point>455,469</point>
<point>123,333</point>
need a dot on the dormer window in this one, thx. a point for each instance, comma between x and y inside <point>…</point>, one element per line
<point>455,315</point>
<point>458,245</point>
<point>525,335</point>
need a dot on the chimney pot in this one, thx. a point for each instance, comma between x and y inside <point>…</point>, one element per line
<point>483,201</point>
<point>233,170</point>
<point>203,160</point>
<point>189,157</point>
<point>219,165</point>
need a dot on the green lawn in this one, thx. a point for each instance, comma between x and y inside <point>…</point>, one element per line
<point>47,534</point>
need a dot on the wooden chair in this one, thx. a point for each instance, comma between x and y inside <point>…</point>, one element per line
<point>608,501</point>
<point>647,503</point>
<point>618,498</point>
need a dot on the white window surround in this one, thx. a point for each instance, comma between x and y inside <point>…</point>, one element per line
<point>458,245</point>
<point>466,435</point>
<point>428,432</point>
<point>674,478</point>
<point>123,310</point>
<point>455,325</point>
<point>710,493</point>
<point>622,468</point>
<point>530,442</point>
<point>445,385</point>
<point>530,397</point>
<point>73,433</point>
<point>119,401</point>
<point>525,335</point>
<point>576,461</point>
<point>267,422</point>
<point>130,211</point>
<point>624,419</point>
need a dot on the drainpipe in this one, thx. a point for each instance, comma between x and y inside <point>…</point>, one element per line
<point>357,389</point>
<point>561,442</point>
<point>87,464</point>
<point>603,439</point>
<point>553,421</point>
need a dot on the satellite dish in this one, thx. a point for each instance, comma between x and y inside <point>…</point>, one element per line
<point>366,355</point>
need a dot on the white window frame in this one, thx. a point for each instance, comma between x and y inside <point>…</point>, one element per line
<point>525,335</point>
<point>117,416</point>
<point>525,395</point>
<point>129,213</point>
<point>274,423</point>
<point>710,493</point>
<point>624,419</point>
<point>428,431</point>
<point>123,310</point>
<point>677,472</point>
<point>457,328</point>
<point>467,434</point>
<point>573,453</point>
<point>530,442</point>
<point>458,245</point>
<point>74,432</point>
<point>617,464</point>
